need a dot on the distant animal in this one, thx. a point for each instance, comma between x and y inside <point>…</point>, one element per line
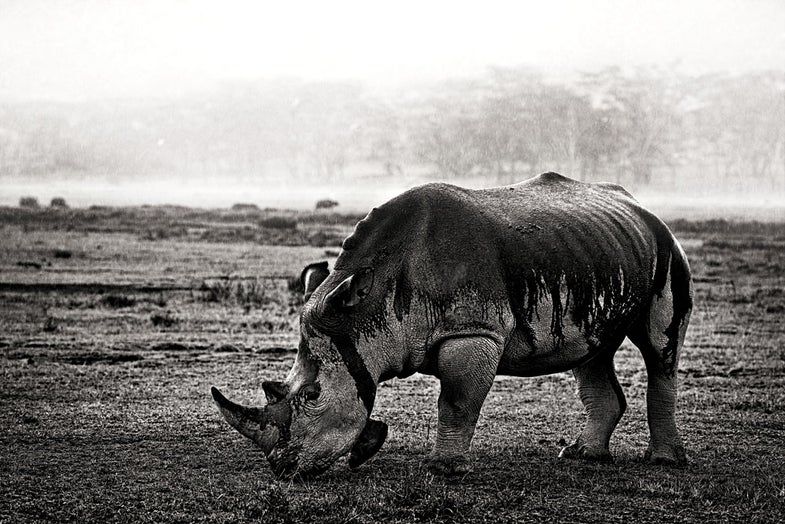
<point>535,278</point>
<point>326,204</point>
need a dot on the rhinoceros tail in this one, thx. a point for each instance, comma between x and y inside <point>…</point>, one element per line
<point>248,421</point>
<point>663,326</point>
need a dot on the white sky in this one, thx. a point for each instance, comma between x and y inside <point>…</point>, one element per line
<point>81,49</point>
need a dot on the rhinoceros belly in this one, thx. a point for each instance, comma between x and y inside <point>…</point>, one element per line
<point>533,349</point>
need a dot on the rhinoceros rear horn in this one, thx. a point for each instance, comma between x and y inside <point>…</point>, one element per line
<point>247,420</point>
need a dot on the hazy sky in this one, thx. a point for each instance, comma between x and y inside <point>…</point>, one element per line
<point>78,49</point>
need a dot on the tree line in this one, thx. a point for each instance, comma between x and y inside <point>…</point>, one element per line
<point>642,127</point>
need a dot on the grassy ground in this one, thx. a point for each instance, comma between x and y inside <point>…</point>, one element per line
<point>111,336</point>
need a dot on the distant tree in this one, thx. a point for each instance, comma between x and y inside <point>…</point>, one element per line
<point>740,122</point>
<point>445,131</point>
<point>385,137</point>
<point>58,202</point>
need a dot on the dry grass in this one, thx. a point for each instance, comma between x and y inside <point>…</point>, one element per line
<point>107,417</point>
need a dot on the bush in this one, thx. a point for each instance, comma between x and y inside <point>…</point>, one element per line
<point>118,301</point>
<point>278,222</point>
<point>29,202</point>
<point>241,206</point>
<point>58,202</point>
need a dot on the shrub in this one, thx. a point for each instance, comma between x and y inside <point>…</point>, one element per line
<point>118,301</point>
<point>219,290</point>
<point>62,253</point>
<point>246,293</point>
<point>326,204</point>
<point>29,202</point>
<point>50,324</point>
<point>278,222</point>
<point>251,293</point>
<point>58,202</point>
<point>166,319</point>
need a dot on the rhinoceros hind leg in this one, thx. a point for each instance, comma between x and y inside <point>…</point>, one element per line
<point>660,337</point>
<point>467,367</point>
<point>604,401</point>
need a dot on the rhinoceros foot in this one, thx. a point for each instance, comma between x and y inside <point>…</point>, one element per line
<point>586,452</point>
<point>448,465</point>
<point>669,456</point>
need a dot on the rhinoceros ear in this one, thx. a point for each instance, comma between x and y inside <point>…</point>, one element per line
<point>353,290</point>
<point>312,276</point>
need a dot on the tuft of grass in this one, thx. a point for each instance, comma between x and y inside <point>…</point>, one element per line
<point>251,293</point>
<point>50,325</point>
<point>165,319</point>
<point>218,290</point>
<point>118,301</point>
<point>270,506</point>
<point>248,293</point>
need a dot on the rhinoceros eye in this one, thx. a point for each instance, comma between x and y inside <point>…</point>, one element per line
<point>311,391</point>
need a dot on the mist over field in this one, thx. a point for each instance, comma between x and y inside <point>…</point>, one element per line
<point>684,105</point>
<point>712,140</point>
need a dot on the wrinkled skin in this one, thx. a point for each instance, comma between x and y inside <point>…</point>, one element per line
<point>541,277</point>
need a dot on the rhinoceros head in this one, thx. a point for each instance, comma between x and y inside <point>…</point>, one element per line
<point>321,411</point>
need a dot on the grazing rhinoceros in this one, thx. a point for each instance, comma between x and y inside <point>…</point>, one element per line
<point>540,277</point>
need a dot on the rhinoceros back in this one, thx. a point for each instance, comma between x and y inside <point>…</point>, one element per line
<point>590,249</point>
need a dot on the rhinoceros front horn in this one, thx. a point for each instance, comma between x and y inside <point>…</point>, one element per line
<point>247,420</point>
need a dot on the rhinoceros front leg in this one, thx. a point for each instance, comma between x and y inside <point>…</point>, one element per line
<point>466,367</point>
<point>604,401</point>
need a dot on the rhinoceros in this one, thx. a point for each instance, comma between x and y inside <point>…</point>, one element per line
<point>540,277</point>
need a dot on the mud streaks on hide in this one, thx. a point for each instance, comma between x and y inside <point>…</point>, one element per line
<point>366,386</point>
<point>669,259</point>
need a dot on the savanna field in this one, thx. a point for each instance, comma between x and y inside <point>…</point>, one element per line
<point>114,322</point>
